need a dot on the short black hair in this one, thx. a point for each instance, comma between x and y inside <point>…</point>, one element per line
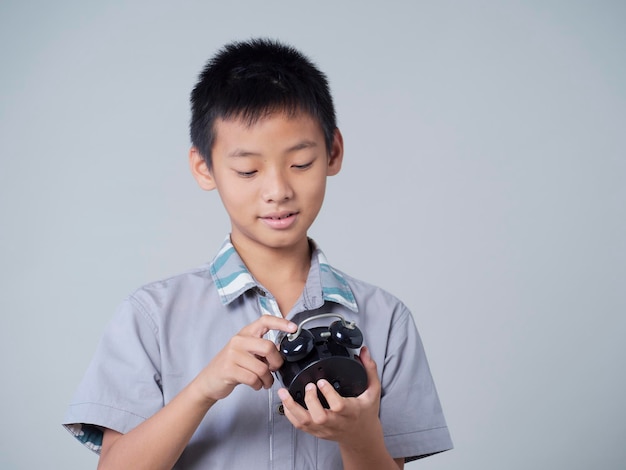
<point>249,80</point>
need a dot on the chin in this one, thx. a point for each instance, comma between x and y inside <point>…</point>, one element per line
<point>286,241</point>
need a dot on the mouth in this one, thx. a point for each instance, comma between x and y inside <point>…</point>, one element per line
<point>281,216</point>
<point>280,220</point>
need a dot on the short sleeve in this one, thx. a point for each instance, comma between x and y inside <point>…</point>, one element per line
<point>413,422</point>
<point>122,385</point>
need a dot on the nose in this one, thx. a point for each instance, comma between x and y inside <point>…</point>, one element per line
<point>276,187</point>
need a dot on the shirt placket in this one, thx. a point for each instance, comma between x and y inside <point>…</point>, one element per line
<point>281,432</point>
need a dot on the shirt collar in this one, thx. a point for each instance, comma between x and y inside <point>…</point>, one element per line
<point>232,278</point>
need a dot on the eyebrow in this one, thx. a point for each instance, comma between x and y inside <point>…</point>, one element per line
<point>242,153</point>
<point>239,152</point>
<point>305,144</point>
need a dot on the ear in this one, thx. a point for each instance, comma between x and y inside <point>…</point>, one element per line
<point>335,157</point>
<point>200,170</point>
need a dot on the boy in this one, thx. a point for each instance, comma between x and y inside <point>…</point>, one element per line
<point>177,380</point>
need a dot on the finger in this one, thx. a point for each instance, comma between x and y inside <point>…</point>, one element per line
<point>262,349</point>
<point>245,376</point>
<point>296,414</point>
<point>369,364</point>
<point>313,404</point>
<point>334,400</point>
<point>265,323</point>
<point>261,373</point>
<point>234,368</point>
<point>373,382</point>
<point>256,355</point>
<point>267,381</point>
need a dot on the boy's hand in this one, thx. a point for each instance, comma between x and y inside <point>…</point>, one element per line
<point>349,421</point>
<point>246,359</point>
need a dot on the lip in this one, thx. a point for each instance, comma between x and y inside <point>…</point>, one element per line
<point>280,220</point>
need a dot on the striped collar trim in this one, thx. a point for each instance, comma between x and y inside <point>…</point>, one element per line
<point>232,278</point>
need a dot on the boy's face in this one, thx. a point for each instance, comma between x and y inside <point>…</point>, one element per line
<point>271,177</point>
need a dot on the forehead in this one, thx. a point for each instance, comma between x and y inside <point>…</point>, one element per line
<point>275,128</point>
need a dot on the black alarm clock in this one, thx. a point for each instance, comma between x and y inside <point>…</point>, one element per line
<point>322,353</point>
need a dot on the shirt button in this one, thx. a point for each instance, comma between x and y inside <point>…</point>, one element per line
<point>280,409</point>
<point>260,291</point>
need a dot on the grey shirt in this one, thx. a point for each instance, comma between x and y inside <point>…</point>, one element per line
<point>165,333</point>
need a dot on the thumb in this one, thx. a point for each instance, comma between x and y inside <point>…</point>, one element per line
<point>370,367</point>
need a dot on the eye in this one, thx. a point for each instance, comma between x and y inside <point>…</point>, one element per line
<point>246,174</point>
<point>303,166</point>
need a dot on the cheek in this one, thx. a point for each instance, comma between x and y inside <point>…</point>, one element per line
<point>232,200</point>
<point>234,193</point>
<point>315,195</point>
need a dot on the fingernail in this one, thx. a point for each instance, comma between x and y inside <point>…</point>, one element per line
<point>309,387</point>
<point>321,383</point>
<point>283,394</point>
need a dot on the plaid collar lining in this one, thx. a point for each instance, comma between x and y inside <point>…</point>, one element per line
<point>232,278</point>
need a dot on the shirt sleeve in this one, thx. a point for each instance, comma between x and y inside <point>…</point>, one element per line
<point>413,422</point>
<point>122,385</point>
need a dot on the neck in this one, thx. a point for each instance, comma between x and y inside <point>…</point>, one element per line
<point>282,271</point>
<point>273,265</point>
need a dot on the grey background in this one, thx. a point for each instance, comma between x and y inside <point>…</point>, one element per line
<point>484,184</point>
